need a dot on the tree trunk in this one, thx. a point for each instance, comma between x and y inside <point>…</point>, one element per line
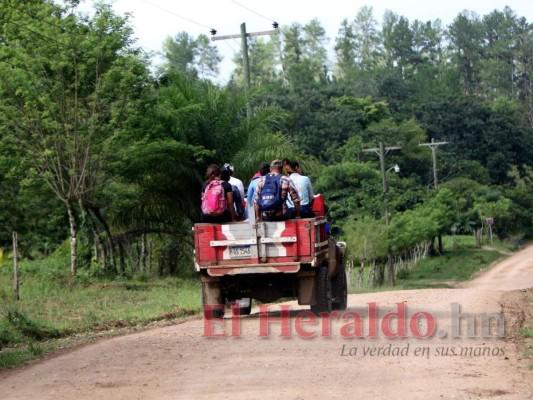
<point>110,253</point>
<point>143,252</point>
<point>73,239</point>
<point>389,271</point>
<point>477,236</point>
<point>15,267</point>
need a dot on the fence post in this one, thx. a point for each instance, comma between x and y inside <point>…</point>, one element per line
<point>15,267</point>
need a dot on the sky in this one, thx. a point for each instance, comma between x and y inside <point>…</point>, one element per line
<point>154,20</point>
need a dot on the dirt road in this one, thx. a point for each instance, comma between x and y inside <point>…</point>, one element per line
<point>178,362</point>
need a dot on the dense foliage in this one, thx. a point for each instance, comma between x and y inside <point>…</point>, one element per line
<point>98,149</point>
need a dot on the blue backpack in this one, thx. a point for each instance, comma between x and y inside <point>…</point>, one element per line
<point>270,196</point>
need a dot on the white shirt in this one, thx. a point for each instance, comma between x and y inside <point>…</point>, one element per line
<point>238,183</point>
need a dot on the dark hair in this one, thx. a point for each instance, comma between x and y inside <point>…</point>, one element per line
<point>225,174</point>
<point>285,161</point>
<point>295,165</point>
<point>264,168</point>
<point>213,171</point>
<point>229,167</point>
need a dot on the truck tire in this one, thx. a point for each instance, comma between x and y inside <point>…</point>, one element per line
<point>339,288</point>
<point>212,300</point>
<point>323,292</point>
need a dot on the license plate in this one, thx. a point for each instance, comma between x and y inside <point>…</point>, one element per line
<point>240,251</point>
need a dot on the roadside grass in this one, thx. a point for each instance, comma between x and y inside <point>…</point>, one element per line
<point>460,261</point>
<point>442,271</point>
<point>53,306</point>
<point>527,332</point>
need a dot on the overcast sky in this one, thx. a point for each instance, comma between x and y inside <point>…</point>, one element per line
<point>153,20</point>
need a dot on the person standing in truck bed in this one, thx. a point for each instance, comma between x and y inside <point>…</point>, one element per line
<point>271,195</point>
<point>304,188</point>
<point>217,198</point>
<point>264,169</point>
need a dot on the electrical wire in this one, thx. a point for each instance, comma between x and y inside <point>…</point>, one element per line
<point>230,46</point>
<point>192,21</point>
<point>253,11</point>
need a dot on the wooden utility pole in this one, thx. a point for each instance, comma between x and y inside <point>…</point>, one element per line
<point>382,152</point>
<point>245,61</point>
<point>433,146</point>
<point>16,284</point>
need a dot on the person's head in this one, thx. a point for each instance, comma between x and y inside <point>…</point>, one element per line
<point>286,164</point>
<point>294,166</point>
<point>264,169</point>
<point>276,166</point>
<point>230,168</point>
<point>213,171</point>
<point>225,174</point>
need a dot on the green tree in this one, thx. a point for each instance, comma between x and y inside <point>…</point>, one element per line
<point>65,86</point>
<point>367,41</point>
<point>345,50</point>
<point>466,35</point>
<point>196,57</point>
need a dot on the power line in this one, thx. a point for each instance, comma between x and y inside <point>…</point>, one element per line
<point>192,21</point>
<point>433,146</point>
<point>382,152</point>
<point>245,62</point>
<point>231,47</point>
<point>254,12</point>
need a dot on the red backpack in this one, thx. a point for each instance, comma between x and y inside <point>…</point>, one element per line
<point>214,198</point>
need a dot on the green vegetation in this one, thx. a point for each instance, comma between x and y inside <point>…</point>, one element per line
<point>102,156</point>
<point>54,306</point>
<point>460,262</point>
<point>16,357</point>
<point>527,332</point>
<point>445,270</point>
<point>97,148</point>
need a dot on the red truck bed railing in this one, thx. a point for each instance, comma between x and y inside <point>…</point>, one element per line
<point>265,247</point>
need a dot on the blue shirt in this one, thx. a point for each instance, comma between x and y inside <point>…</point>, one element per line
<point>251,192</point>
<point>303,187</point>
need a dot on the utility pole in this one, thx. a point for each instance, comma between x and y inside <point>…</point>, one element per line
<point>15,267</point>
<point>433,146</point>
<point>382,152</point>
<point>245,61</point>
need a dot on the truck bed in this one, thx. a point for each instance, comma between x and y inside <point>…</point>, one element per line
<point>266,247</point>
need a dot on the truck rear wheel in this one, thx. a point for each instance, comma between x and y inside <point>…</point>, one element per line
<point>323,291</point>
<point>339,287</point>
<point>212,300</point>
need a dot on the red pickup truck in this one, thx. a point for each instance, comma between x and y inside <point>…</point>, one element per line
<point>267,261</point>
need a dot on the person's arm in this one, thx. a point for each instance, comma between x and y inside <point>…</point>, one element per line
<point>231,206</point>
<point>311,193</point>
<point>240,186</point>
<point>295,198</point>
<point>257,191</point>
<point>250,193</point>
